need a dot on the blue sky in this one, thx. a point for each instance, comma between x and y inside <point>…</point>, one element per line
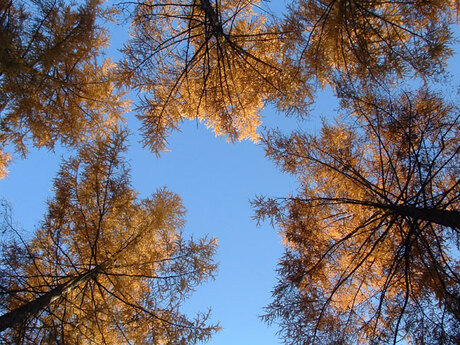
<point>216,180</point>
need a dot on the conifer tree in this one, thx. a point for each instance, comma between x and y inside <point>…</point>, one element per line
<point>216,61</point>
<point>372,42</point>
<point>54,87</point>
<point>372,234</point>
<point>221,62</point>
<point>104,267</point>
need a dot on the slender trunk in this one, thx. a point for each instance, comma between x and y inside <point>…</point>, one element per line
<point>442,217</point>
<point>450,218</point>
<point>212,17</point>
<point>20,314</point>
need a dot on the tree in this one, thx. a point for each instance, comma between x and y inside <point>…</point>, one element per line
<point>371,41</point>
<point>218,62</point>
<point>52,86</point>
<point>221,62</point>
<point>373,232</point>
<point>104,267</point>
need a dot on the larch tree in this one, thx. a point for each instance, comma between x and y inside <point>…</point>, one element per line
<point>54,86</point>
<point>104,267</point>
<point>372,236</point>
<point>216,61</point>
<point>222,61</point>
<point>370,41</point>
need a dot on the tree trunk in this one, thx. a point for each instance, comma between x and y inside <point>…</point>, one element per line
<point>450,218</point>
<point>442,217</point>
<point>20,314</point>
<point>212,17</point>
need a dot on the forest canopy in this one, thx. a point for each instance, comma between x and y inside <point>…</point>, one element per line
<point>371,234</point>
<point>104,267</point>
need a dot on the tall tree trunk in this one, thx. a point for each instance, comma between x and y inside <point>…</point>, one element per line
<point>213,17</point>
<point>442,217</point>
<point>450,218</point>
<point>20,314</point>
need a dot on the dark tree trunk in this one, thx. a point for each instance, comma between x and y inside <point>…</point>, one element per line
<point>450,218</point>
<point>442,217</point>
<point>212,17</point>
<point>20,314</point>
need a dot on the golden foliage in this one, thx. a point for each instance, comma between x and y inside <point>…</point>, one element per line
<point>123,262</point>
<point>52,88</point>
<point>4,160</point>
<point>372,233</point>
<point>371,40</point>
<point>216,62</point>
